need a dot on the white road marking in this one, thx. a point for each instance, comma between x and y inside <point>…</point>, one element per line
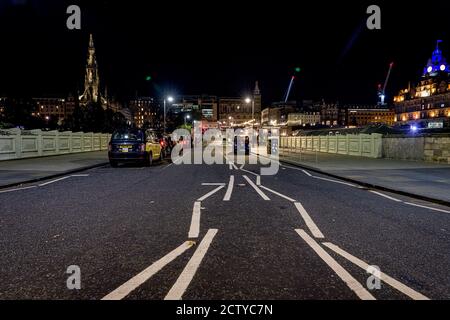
<point>209,194</point>
<point>278,194</point>
<point>79,175</point>
<point>383,277</point>
<point>250,172</point>
<point>307,173</point>
<point>426,207</point>
<point>227,196</point>
<point>258,190</point>
<point>17,189</point>
<point>309,222</point>
<point>185,278</point>
<point>129,286</point>
<point>351,282</point>
<point>194,230</point>
<point>258,180</point>
<point>385,196</point>
<point>335,181</point>
<point>53,181</point>
<point>213,184</point>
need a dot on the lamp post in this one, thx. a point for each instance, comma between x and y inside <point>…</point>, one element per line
<point>169,99</point>
<point>186,118</point>
<point>252,101</point>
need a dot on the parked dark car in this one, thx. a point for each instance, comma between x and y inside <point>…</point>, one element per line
<point>133,145</point>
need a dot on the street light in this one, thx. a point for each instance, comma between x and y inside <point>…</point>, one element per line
<point>248,101</point>
<point>170,99</point>
<point>186,118</point>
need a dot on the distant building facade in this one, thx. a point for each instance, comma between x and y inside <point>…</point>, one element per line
<point>428,102</point>
<point>360,116</point>
<point>304,119</point>
<point>145,111</point>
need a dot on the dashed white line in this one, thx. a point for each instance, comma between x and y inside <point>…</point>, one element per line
<point>278,194</point>
<point>227,196</point>
<point>53,181</point>
<point>209,194</point>
<point>309,222</point>
<point>213,184</point>
<point>17,189</point>
<point>80,175</point>
<point>426,207</point>
<point>335,181</point>
<point>195,221</point>
<point>351,282</point>
<point>383,277</point>
<point>254,186</point>
<point>258,180</point>
<point>385,196</point>
<point>185,278</point>
<point>129,286</point>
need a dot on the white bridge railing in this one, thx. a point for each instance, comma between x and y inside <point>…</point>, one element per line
<point>362,145</point>
<point>18,144</point>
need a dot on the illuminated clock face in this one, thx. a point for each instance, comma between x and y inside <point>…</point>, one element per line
<point>430,69</point>
<point>443,67</point>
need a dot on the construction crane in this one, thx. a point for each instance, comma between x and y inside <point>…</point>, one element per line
<point>382,89</point>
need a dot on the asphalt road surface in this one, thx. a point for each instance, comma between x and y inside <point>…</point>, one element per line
<point>219,232</point>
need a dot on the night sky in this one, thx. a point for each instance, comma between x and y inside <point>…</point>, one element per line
<point>219,47</point>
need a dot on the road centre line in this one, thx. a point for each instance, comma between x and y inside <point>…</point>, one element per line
<point>209,194</point>
<point>278,194</point>
<point>262,194</point>
<point>194,230</point>
<point>383,277</point>
<point>351,282</point>
<point>308,221</point>
<point>185,278</point>
<point>129,286</point>
<point>227,196</point>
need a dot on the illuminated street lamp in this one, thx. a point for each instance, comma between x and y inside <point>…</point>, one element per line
<point>188,117</point>
<point>170,100</point>
<point>252,101</point>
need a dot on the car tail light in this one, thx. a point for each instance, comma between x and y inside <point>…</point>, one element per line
<point>162,143</point>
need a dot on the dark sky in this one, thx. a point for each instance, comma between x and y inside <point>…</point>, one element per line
<point>219,47</point>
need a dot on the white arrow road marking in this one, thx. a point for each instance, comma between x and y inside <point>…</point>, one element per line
<point>195,222</point>
<point>309,222</point>
<point>351,282</point>
<point>227,196</point>
<point>209,194</point>
<point>185,278</point>
<point>383,277</point>
<point>278,194</point>
<point>258,190</point>
<point>129,286</point>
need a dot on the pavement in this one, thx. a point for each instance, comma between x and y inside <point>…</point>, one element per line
<point>179,231</point>
<point>13,172</point>
<point>422,179</point>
